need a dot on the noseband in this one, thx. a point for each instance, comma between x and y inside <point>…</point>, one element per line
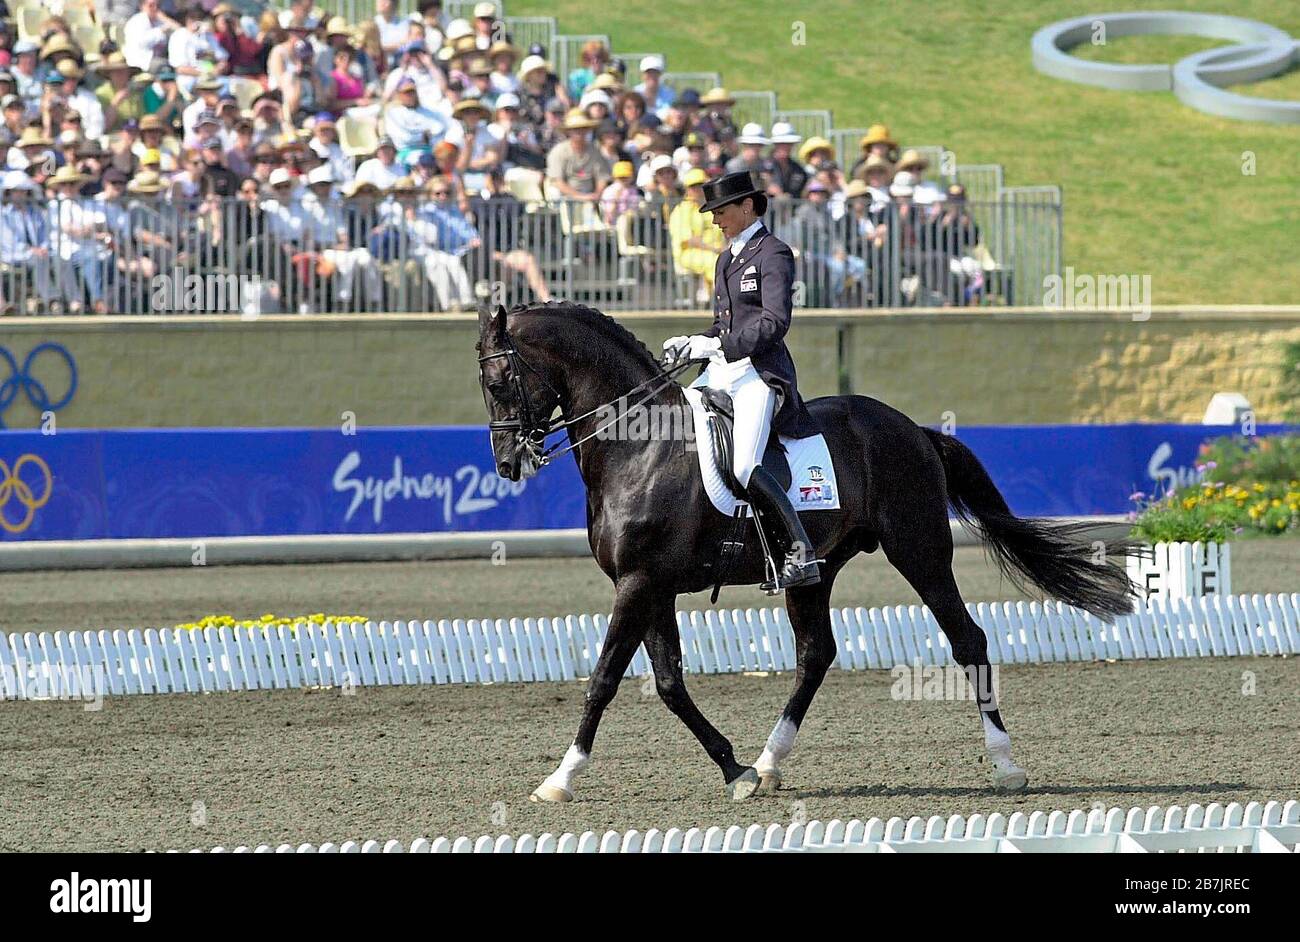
<point>532,430</point>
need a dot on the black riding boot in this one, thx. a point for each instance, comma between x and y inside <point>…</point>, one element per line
<point>772,506</point>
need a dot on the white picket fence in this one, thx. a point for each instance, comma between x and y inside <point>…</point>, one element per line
<point>86,664</point>
<point>1253,828</point>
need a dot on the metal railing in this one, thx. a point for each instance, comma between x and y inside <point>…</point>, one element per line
<point>149,255</point>
<point>753,106</point>
<point>806,122</point>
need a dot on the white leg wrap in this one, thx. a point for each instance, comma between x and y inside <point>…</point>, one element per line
<point>779,745</point>
<point>574,761</point>
<point>1006,774</point>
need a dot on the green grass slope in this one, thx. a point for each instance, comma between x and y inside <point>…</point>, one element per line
<point>1150,185</point>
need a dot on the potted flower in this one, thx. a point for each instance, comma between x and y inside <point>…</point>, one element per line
<point>1246,487</point>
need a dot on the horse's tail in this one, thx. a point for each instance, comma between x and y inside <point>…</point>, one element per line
<point>1056,557</point>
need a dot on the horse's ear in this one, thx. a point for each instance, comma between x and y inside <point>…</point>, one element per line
<point>499,321</point>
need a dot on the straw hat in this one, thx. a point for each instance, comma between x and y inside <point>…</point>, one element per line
<point>357,187</point>
<point>466,105</point>
<point>502,48</point>
<point>59,43</point>
<point>338,26</point>
<point>877,134</point>
<point>813,144</point>
<point>911,160</point>
<point>623,170</point>
<point>876,162</point>
<point>856,188</point>
<point>32,137</point>
<point>147,181</point>
<point>69,69</point>
<point>67,175</point>
<point>606,83</point>
<point>116,62</point>
<point>716,96</point>
<point>576,120</point>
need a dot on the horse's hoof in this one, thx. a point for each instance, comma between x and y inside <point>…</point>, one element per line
<point>743,785</point>
<point>551,793</point>
<point>1011,779</point>
<point>768,782</point>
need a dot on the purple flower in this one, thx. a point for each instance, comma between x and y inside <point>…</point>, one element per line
<point>1136,495</point>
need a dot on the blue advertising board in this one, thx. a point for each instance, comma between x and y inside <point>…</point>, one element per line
<point>151,484</point>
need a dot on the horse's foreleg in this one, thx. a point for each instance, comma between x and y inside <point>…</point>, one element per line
<point>626,629</point>
<point>664,646</point>
<point>810,617</point>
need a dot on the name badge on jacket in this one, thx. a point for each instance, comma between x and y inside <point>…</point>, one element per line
<point>748,283</point>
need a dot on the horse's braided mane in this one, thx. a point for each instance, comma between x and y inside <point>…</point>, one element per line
<point>595,320</point>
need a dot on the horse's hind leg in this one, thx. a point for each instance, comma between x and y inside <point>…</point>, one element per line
<point>810,617</point>
<point>924,558</point>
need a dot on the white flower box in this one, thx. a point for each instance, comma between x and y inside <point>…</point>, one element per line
<point>1169,571</point>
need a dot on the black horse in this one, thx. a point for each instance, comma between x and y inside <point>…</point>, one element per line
<point>655,533</point>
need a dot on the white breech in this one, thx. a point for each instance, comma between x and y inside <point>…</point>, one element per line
<point>753,401</point>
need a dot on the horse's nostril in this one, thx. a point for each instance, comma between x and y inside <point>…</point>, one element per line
<point>503,469</point>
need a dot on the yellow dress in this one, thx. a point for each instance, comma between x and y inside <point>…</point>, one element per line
<point>687,222</point>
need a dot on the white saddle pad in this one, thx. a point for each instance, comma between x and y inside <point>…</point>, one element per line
<point>812,477</point>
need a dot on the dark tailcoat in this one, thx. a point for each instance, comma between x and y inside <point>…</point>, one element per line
<point>752,305</point>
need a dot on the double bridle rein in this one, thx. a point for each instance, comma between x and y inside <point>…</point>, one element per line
<point>531,429</point>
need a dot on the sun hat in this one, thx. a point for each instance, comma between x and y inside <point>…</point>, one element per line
<point>575,119</point>
<point>280,176</point>
<point>717,96</point>
<point>904,184</point>
<point>912,158</point>
<point>652,63</point>
<point>752,133</point>
<point>623,170</point>
<point>877,134</point>
<point>531,64</point>
<point>696,176</point>
<point>814,144</point>
<point>783,133</point>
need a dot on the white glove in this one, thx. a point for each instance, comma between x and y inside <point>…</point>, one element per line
<point>676,346</point>
<point>704,348</point>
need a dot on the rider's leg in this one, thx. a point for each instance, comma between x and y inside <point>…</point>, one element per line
<point>754,402</point>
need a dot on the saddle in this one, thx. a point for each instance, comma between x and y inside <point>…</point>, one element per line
<point>722,419</point>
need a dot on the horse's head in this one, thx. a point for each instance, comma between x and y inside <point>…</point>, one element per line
<point>520,400</point>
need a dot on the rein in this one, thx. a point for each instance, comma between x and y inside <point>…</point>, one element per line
<point>531,435</point>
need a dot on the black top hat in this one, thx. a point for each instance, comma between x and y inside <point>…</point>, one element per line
<point>731,188</point>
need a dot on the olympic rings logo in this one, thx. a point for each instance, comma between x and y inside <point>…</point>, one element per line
<point>1261,52</point>
<point>20,379</point>
<point>13,486</point>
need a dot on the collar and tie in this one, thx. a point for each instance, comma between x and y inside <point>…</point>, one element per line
<point>738,243</point>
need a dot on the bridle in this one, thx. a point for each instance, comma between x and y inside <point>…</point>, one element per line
<point>531,429</point>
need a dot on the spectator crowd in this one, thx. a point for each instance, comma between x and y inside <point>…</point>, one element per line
<point>399,162</point>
